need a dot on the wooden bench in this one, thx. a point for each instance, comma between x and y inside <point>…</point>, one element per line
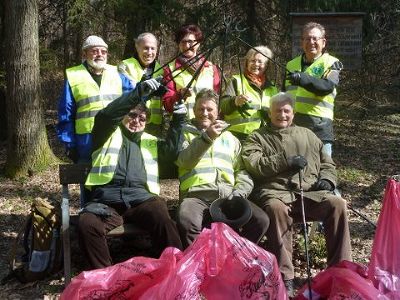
<point>76,174</point>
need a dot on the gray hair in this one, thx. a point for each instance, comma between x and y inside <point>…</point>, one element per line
<point>311,25</point>
<point>141,37</point>
<point>206,94</point>
<point>259,49</point>
<point>282,97</point>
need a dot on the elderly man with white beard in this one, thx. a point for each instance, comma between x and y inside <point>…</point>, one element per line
<point>88,88</point>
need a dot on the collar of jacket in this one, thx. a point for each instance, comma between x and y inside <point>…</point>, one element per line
<point>190,127</point>
<point>132,136</point>
<point>276,130</point>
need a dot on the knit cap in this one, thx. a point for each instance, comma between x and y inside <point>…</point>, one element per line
<point>93,41</point>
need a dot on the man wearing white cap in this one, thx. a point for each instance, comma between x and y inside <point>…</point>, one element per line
<point>88,88</point>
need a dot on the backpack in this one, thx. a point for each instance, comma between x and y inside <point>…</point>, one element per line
<point>37,251</point>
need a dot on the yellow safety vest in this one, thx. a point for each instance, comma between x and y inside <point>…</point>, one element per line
<point>307,102</point>
<point>105,160</point>
<point>135,73</point>
<point>219,157</point>
<point>89,97</point>
<point>252,122</point>
<point>205,80</point>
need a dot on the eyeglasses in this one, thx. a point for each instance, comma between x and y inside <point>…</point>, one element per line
<point>190,42</point>
<point>94,51</point>
<point>312,38</point>
<point>141,118</point>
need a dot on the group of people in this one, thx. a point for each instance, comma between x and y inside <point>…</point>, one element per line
<point>251,143</point>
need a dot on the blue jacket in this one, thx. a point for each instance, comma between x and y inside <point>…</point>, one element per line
<point>66,121</point>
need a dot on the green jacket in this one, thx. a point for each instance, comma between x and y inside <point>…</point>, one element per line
<point>265,154</point>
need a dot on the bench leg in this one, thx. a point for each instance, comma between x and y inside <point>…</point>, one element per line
<point>65,234</point>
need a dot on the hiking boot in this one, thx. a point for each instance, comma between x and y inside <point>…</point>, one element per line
<point>289,285</point>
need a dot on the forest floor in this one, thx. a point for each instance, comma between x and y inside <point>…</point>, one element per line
<point>366,153</point>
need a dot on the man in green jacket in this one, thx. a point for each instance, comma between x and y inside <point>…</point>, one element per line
<point>278,157</point>
<point>209,168</point>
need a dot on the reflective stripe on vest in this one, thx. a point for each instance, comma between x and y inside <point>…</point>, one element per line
<point>105,161</point>
<point>89,97</point>
<point>251,123</point>
<point>205,80</point>
<point>135,73</point>
<point>219,156</point>
<point>307,102</point>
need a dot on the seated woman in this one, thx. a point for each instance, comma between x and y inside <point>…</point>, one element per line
<point>180,72</point>
<point>246,99</point>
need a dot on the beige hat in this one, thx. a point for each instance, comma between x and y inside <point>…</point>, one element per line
<point>93,41</point>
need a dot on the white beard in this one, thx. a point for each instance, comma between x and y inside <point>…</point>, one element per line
<point>97,65</point>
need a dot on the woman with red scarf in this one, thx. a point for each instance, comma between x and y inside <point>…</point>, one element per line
<point>183,68</point>
<point>246,99</point>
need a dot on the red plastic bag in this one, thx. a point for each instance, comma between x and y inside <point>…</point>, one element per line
<point>384,267</point>
<point>218,265</point>
<point>126,280</point>
<point>346,280</point>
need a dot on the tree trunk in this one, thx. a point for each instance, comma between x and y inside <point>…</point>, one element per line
<point>3,116</point>
<point>28,149</point>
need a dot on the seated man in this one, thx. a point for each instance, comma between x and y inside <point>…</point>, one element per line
<point>210,168</point>
<point>124,176</point>
<point>274,156</point>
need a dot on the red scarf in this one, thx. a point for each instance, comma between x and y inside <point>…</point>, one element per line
<point>258,80</point>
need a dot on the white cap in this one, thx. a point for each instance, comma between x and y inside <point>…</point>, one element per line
<point>93,41</point>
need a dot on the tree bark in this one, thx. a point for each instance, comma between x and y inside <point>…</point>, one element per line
<point>28,149</point>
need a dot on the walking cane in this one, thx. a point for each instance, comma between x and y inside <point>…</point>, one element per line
<point>303,215</point>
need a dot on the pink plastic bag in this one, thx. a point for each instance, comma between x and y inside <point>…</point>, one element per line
<point>384,267</point>
<point>346,280</point>
<point>126,280</point>
<point>218,265</point>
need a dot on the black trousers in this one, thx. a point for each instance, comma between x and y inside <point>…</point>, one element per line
<point>151,215</point>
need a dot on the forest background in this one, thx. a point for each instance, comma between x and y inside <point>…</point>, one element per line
<point>40,38</point>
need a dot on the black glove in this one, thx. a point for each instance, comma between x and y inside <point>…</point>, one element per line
<point>160,91</point>
<point>297,162</point>
<point>72,154</point>
<point>322,184</point>
<point>148,87</point>
<point>145,77</point>
<point>295,77</point>
<point>180,108</point>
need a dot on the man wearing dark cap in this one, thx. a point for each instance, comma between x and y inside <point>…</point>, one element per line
<point>210,168</point>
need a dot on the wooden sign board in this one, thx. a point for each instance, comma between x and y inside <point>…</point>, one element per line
<point>343,35</point>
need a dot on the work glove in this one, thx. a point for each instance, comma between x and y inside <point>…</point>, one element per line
<point>148,87</point>
<point>243,110</point>
<point>145,77</point>
<point>180,108</point>
<point>72,154</point>
<point>295,77</point>
<point>297,162</point>
<point>322,184</point>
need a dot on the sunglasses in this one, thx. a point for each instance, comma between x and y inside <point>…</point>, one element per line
<point>140,117</point>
